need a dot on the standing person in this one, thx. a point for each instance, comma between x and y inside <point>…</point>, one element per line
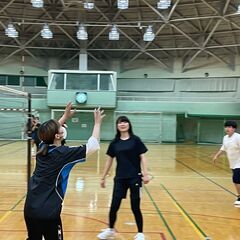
<point>131,170</point>
<point>48,183</point>
<point>35,139</point>
<point>231,145</point>
<point>34,129</point>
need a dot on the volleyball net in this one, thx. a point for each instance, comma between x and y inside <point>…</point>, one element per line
<point>15,119</point>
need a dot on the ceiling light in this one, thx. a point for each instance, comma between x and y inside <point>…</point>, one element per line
<point>88,5</point>
<point>113,34</point>
<point>46,32</point>
<point>163,4</point>
<point>238,10</point>
<point>11,31</point>
<point>148,35</point>
<point>122,4</point>
<point>37,3</point>
<point>82,33</point>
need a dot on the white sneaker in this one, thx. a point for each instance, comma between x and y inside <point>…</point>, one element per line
<point>107,234</point>
<point>139,236</point>
<point>237,202</point>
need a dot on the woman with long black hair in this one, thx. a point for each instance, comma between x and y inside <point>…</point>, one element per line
<point>131,171</point>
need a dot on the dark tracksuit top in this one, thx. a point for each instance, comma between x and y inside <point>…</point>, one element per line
<point>127,153</point>
<point>48,184</point>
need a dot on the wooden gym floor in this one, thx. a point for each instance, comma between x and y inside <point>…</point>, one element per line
<point>187,199</point>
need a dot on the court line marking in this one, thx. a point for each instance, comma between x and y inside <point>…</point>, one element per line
<point>5,216</point>
<point>225,168</point>
<point>219,185</point>
<point>160,214</point>
<point>186,216</point>
<point>90,231</point>
<point>95,219</point>
<point>11,209</point>
<point>4,144</point>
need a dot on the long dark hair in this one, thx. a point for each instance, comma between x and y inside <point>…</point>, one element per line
<point>123,119</point>
<point>46,133</point>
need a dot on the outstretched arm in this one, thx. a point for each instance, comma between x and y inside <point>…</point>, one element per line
<point>68,113</point>
<point>98,117</point>
<point>93,142</point>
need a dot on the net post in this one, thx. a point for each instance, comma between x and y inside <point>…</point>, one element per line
<point>29,138</point>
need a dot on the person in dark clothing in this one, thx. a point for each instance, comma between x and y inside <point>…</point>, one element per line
<point>48,183</point>
<point>131,170</point>
<point>35,141</point>
<point>35,138</point>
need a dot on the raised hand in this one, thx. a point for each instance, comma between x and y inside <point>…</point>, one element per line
<point>98,115</point>
<point>68,113</point>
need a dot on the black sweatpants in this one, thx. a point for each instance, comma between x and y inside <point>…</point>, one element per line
<point>120,189</point>
<point>135,206</point>
<point>50,229</point>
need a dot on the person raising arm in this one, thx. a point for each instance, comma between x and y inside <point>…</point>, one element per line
<point>48,184</point>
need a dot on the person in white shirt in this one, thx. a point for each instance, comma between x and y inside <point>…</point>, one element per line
<point>231,146</point>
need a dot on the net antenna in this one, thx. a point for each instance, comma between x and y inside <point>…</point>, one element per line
<point>27,96</point>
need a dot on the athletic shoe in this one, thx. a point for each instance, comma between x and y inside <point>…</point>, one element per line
<point>107,234</point>
<point>237,202</point>
<point>139,236</point>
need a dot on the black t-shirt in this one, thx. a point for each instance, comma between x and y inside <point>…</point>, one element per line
<point>48,183</point>
<point>127,153</point>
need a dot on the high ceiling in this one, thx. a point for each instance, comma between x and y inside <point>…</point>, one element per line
<point>188,29</point>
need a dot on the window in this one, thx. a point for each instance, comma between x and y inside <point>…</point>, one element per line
<point>26,81</point>
<point>41,82</point>
<point>29,81</point>
<point>13,80</point>
<point>3,80</point>
<point>57,81</point>
<point>82,81</point>
<point>106,82</point>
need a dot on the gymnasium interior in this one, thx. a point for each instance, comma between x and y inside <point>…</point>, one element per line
<point>171,66</point>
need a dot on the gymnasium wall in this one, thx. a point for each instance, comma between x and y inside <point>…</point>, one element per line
<point>164,106</point>
<point>81,125</point>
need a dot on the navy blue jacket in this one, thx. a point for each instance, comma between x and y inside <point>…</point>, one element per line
<point>48,183</point>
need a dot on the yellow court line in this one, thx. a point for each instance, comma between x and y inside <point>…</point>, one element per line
<point>11,210</point>
<point>188,220</point>
<point>5,216</point>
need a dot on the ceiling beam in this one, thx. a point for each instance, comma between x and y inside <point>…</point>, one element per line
<point>190,60</point>
<point>155,10</point>
<point>6,6</point>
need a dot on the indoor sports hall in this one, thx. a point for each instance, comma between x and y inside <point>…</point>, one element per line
<point>171,66</point>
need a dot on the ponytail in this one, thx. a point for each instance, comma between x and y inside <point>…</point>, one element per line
<point>43,150</point>
<point>46,133</point>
